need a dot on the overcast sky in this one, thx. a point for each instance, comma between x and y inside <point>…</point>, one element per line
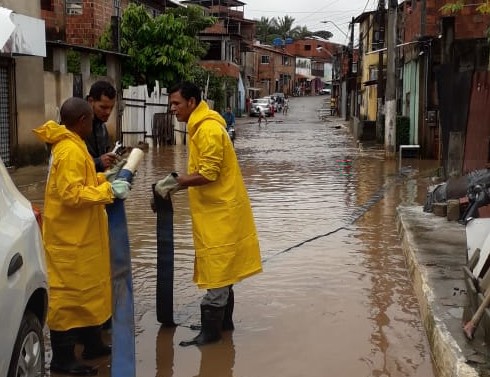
<point>310,13</point>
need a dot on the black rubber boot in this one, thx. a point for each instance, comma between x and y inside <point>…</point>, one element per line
<point>212,320</point>
<point>228,314</point>
<point>64,360</point>
<point>93,345</point>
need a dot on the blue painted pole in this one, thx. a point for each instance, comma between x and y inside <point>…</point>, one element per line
<point>123,332</point>
<point>165,260</point>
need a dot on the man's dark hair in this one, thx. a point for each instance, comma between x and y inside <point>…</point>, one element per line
<point>187,90</point>
<point>72,110</point>
<point>102,88</point>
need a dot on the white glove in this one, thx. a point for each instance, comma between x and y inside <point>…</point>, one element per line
<point>121,188</point>
<point>167,185</point>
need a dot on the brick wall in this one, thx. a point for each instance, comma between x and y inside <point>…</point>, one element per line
<point>468,23</point>
<point>84,29</point>
<point>327,51</point>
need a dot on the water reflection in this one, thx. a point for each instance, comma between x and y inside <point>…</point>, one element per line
<point>335,293</point>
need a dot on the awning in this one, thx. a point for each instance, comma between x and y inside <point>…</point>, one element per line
<point>21,35</point>
<point>370,82</point>
<point>305,77</point>
<point>255,89</point>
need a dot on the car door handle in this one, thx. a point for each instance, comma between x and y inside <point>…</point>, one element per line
<point>15,264</point>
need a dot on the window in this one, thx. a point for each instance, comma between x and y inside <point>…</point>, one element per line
<point>307,47</point>
<point>46,5</point>
<point>74,7</point>
<point>265,59</point>
<point>285,60</point>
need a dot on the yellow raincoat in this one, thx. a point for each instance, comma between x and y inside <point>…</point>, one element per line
<point>225,238</point>
<point>75,233</point>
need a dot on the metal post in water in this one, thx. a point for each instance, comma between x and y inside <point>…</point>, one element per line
<point>165,259</point>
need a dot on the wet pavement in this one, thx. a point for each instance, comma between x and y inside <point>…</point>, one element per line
<point>335,298</point>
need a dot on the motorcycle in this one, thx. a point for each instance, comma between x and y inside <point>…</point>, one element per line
<point>231,133</point>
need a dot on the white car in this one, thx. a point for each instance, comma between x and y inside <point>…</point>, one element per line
<point>23,284</point>
<point>325,91</point>
<point>263,103</point>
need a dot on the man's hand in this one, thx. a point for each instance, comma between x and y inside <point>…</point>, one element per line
<point>108,160</point>
<point>112,173</point>
<point>121,188</point>
<point>167,185</point>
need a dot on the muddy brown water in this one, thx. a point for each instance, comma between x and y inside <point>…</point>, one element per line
<point>335,298</point>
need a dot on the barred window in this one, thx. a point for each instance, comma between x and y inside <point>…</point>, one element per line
<point>74,7</point>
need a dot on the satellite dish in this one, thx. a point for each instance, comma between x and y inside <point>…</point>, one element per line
<point>289,41</point>
<point>277,42</point>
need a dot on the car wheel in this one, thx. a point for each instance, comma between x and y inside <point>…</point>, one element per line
<point>28,354</point>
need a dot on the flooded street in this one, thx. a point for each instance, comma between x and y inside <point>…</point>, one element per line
<point>335,298</point>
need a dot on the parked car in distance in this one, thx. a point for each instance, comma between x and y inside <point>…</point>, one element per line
<point>273,103</point>
<point>263,103</point>
<point>23,284</point>
<point>325,91</point>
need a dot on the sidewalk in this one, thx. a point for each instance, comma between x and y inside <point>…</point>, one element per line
<point>435,251</point>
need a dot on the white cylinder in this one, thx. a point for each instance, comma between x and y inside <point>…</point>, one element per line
<point>134,160</point>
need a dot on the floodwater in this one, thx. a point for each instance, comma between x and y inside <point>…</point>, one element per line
<point>334,299</point>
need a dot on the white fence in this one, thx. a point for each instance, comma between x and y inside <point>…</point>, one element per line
<point>139,111</point>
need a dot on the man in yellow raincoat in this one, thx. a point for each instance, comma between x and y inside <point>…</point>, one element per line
<point>76,240</point>
<point>225,238</point>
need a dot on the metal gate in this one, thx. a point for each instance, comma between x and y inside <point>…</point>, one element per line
<point>5,113</point>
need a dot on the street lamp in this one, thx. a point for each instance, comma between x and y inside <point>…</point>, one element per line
<point>320,49</point>
<point>338,28</point>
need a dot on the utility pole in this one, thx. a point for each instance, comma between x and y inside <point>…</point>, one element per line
<point>390,103</point>
<point>351,82</point>
<point>380,88</point>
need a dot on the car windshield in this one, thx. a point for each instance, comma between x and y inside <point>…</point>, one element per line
<point>261,101</point>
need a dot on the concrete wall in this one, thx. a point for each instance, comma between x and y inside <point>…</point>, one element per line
<point>57,88</point>
<point>26,7</point>
<point>29,91</point>
<point>29,97</point>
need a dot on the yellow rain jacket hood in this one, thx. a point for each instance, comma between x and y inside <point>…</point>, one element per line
<point>225,237</point>
<point>75,233</point>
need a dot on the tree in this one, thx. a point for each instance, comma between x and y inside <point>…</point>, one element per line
<point>268,29</point>
<point>163,48</point>
<point>302,32</point>
<point>457,6</point>
<point>265,28</point>
<point>219,86</point>
<point>323,34</point>
<point>284,27</point>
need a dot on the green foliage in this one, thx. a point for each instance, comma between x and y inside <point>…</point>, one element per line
<point>457,6</point>
<point>164,48</point>
<point>325,34</point>
<point>402,130</point>
<point>267,29</point>
<point>451,8</point>
<point>73,62</point>
<point>484,8</point>
<point>219,86</point>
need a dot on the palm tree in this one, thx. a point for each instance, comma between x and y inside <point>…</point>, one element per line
<point>302,32</point>
<point>265,29</point>
<point>284,27</point>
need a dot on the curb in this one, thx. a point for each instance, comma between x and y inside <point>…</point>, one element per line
<point>413,225</point>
